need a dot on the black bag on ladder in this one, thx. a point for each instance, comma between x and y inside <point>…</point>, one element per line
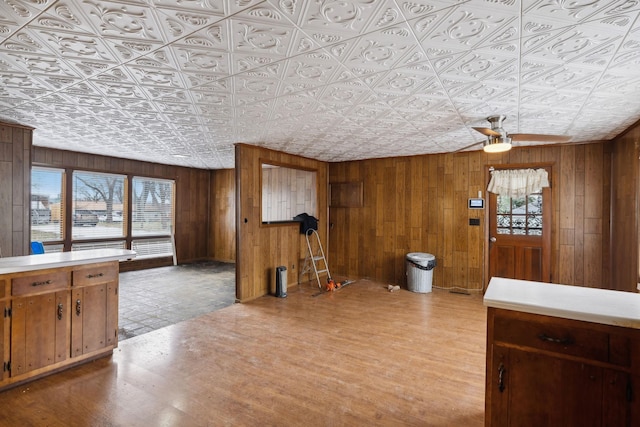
<point>307,222</point>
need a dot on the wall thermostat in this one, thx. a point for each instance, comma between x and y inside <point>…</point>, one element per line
<point>476,203</point>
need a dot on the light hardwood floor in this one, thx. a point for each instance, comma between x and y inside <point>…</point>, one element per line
<point>361,356</point>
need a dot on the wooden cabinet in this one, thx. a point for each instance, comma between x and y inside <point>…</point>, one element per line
<point>551,371</point>
<point>5,331</point>
<point>39,331</point>
<point>54,318</point>
<point>94,316</point>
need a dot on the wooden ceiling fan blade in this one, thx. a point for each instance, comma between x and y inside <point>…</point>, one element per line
<point>487,131</point>
<point>468,146</point>
<point>538,137</point>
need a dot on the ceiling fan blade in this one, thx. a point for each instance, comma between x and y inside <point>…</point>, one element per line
<point>468,146</point>
<point>538,137</point>
<point>487,131</point>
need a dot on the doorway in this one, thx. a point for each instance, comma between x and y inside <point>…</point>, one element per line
<point>520,234</point>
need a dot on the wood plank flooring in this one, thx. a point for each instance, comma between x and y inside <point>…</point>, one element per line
<point>359,356</point>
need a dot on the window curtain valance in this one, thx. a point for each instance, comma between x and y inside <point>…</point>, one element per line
<point>518,182</point>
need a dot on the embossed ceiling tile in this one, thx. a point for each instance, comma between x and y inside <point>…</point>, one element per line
<point>164,78</point>
<point>465,27</point>
<point>352,16</point>
<point>209,7</point>
<point>201,65</point>
<point>575,78</point>
<point>386,15</point>
<point>481,65</point>
<point>44,65</point>
<point>618,87</point>
<point>20,12</point>
<point>346,93</point>
<point>216,36</point>
<point>252,84</point>
<point>27,41</point>
<point>380,51</point>
<point>179,23</point>
<point>211,99</point>
<point>310,70</point>
<point>569,11</point>
<point>265,64</point>
<point>131,21</point>
<point>119,89</point>
<point>568,45</point>
<point>269,35</point>
<point>66,16</point>
<point>294,105</point>
<point>400,82</point>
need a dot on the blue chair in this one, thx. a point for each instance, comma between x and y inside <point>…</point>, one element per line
<point>37,248</point>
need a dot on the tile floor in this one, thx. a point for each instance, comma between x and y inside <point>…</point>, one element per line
<point>154,298</point>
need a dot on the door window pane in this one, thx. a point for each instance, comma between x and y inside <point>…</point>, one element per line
<point>47,216</point>
<point>520,215</point>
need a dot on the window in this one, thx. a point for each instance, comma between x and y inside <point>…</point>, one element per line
<point>520,215</point>
<point>97,205</point>
<point>152,214</point>
<point>98,213</point>
<point>152,210</point>
<point>287,192</point>
<point>47,209</point>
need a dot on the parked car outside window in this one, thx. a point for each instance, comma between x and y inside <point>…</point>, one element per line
<point>40,216</point>
<point>85,217</point>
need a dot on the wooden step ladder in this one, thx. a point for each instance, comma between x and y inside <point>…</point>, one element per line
<point>315,258</point>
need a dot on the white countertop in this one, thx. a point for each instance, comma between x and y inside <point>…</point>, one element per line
<point>62,259</point>
<point>603,306</point>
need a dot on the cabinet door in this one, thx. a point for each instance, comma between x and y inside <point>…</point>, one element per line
<point>4,339</point>
<point>621,404</point>
<point>94,325</point>
<point>39,331</point>
<point>540,390</point>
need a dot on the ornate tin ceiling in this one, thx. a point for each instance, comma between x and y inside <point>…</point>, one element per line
<point>179,82</point>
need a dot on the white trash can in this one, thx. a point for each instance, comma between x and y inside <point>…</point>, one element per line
<point>420,271</point>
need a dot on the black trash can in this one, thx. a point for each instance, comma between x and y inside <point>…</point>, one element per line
<point>281,281</point>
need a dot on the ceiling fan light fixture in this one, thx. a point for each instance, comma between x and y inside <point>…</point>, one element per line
<point>497,144</point>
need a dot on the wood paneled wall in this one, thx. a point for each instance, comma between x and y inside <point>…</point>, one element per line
<point>192,192</point>
<point>261,248</point>
<point>222,238</point>
<point>625,190</point>
<point>15,189</point>
<point>419,204</point>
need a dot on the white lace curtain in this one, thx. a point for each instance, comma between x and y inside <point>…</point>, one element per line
<point>518,182</point>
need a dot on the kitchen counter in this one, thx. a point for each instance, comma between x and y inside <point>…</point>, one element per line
<point>62,259</point>
<point>608,307</point>
<point>60,310</point>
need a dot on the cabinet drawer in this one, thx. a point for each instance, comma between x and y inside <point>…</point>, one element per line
<point>37,283</point>
<point>95,273</point>
<point>565,338</point>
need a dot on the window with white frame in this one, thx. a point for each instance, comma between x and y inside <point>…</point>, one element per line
<point>152,217</point>
<point>47,207</point>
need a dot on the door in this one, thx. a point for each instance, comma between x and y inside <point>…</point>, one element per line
<point>94,321</point>
<point>520,236</point>
<point>39,331</point>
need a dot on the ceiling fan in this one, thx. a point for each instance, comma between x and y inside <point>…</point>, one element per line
<point>498,140</point>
